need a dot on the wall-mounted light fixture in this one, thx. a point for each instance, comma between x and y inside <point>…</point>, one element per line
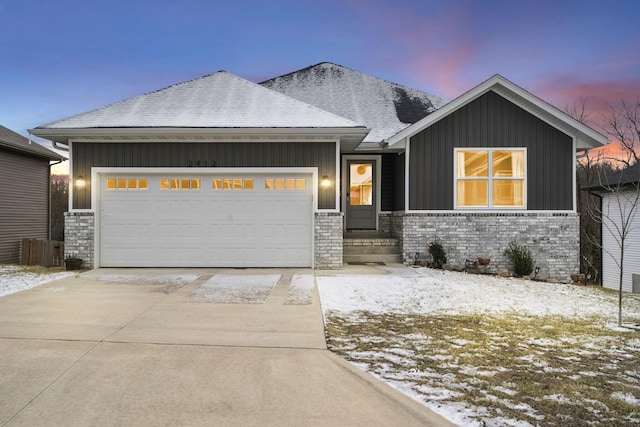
<point>325,181</point>
<point>80,182</point>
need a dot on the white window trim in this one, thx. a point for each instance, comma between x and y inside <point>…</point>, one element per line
<point>490,178</point>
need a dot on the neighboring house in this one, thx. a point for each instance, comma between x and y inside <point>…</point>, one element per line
<point>620,206</point>
<point>24,193</point>
<point>219,171</point>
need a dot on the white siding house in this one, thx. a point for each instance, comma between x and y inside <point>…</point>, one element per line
<point>620,193</point>
<point>617,208</point>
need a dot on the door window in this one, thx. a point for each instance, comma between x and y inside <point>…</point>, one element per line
<point>360,184</point>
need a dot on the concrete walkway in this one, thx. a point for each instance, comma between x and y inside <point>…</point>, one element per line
<point>140,351</point>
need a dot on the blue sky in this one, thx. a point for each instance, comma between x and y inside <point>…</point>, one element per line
<point>63,57</point>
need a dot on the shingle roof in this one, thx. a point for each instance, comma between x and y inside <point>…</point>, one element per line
<point>14,141</point>
<point>627,177</point>
<point>384,107</point>
<point>218,100</point>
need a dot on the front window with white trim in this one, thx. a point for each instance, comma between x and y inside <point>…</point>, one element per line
<point>490,177</point>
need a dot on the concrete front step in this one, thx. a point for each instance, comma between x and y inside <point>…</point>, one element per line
<point>371,247</point>
<point>367,250</point>
<point>385,258</point>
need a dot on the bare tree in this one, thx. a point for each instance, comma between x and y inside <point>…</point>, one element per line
<point>623,124</point>
<point>579,111</point>
<point>619,191</point>
<point>588,171</point>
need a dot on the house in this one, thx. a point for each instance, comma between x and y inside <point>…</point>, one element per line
<point>219,171</point>
<point>620,205</point>
<point>24,193</point>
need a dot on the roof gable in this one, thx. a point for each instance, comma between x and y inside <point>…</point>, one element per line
<point>218,100</point>
<point>384,107</point>
<point>14,141</point>
<point>585,136</point>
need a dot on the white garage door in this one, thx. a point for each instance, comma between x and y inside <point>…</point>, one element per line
<point>206,220</point>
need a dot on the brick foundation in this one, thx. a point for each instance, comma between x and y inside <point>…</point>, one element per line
<point>552,238</point>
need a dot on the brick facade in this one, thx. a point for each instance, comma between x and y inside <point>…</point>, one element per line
<point>552,238</point>
<point>79,237</point>
<point>328,229</point>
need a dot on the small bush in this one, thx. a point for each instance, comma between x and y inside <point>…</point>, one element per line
<point>438,254</point>
<point>521,259</point>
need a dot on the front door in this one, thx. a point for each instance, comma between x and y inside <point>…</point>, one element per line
<point>361,195</point>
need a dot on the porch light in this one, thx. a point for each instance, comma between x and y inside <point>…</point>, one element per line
<point>80,182</point>
<point>325,181</point>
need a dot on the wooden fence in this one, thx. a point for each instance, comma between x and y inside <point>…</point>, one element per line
<point>48,253</point>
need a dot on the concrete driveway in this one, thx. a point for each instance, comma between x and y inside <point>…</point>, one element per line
<point>193,347</point>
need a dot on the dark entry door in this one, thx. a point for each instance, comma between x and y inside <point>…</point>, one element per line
<point>361,195</point>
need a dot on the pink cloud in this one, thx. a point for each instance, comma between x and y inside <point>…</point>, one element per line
<point>432,51</point>
<point>563,91</point>
<point>599,98</point>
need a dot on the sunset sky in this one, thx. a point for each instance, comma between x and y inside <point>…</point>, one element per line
<point>63,57</point>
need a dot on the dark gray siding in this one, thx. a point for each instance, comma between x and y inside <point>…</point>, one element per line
<point>387,182</point>
<point>491,121</point>
<point>24,202</point>
<point>398,202</point>
<point>320,154</point>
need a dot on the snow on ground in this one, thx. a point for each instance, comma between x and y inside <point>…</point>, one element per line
<point>237,289</point>
<point>404,290</point>
<point>430,291</point>
<point>176,280</point>
<point>300,290</point>
<point>13,279</point>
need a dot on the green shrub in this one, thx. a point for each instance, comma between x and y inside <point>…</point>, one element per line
<point>439,256</point>
<point>521,259</point>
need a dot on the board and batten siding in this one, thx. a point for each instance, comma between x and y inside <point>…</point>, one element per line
<point>223,154</point>
<point>24,202</point>
<point>611,209</point>
<point>387,182</point>
<point>491,121</point>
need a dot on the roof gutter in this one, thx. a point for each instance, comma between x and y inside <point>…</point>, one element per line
<point>63,134</point>
<point>58,146</point>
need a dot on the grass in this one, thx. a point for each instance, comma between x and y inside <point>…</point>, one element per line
<point>550,371</point>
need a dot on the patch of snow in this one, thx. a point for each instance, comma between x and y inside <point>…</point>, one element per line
<point>445,292</point>
<point>505,390</point>
<point>354,95</point>
<point>626,397</point>
<point>301,289</point>
<point>218,100</point>
<point>558,398</point>
<point>174,280</point>
<point>232,289</point>
<point>13,279</point>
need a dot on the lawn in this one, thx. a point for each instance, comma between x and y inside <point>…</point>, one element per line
<point>482,350</point>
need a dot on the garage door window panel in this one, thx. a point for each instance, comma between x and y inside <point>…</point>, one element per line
<point>127,184</point>
<point>285,184</point>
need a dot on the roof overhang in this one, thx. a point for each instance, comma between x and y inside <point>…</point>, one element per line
<point>38,151</point>
<point>350,136</point>
<point>586,138</point>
